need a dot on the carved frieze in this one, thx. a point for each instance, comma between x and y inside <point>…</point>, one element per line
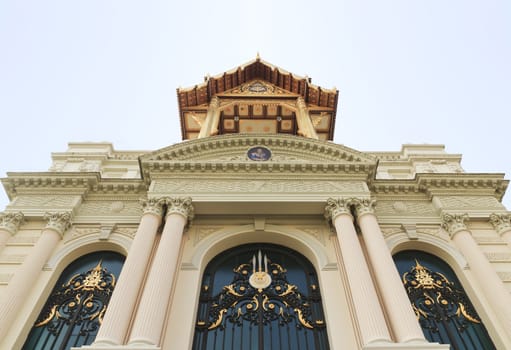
<point>201,232</point>
<point>468,202</point>
<point>12,258</point>
<point>405,208</point>
<point>256,186</point>
<point>44,201</point>
<point>505,276</point>
<point>498,256</point>
<point>110,208</point>
<point>126,231</point>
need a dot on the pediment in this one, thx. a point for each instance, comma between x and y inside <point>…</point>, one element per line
<point>284,149</point>
<point>258,88</point>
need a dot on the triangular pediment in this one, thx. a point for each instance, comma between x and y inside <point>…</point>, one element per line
<point>279,149</point>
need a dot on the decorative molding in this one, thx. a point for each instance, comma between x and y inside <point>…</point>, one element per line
<point>453,223</point>
<point>256,186</point>
<point>498,256</point>
<point>12,258</point>
<point>82,231</point>
<point>5,278</point>
<point>59,222</point>
<point>19,240</point>
<point>392,231</point>
<point>126,231</point>
<point>505,276</point>
<point>47,201</point>
<point>316,232</point>
<point>501,222</point>
<point>11,222</point>
<point>201,232</point>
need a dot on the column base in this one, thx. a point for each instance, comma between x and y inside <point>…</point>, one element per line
<point>407,346</point>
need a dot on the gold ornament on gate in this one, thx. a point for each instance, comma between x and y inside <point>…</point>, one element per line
<point>259,279</point>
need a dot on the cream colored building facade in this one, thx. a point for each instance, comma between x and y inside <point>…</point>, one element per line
<point>257,165</point>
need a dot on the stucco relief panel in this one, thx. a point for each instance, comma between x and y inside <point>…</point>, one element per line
<point>44,201</point>
<point>468,202</point>
<point>404,208</point>
<point>256,186</point>
<point>105,208</point>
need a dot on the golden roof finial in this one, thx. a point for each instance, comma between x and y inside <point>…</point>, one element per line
<point>258,57</point>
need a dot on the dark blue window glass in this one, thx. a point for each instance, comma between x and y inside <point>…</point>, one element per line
<point>73,313</point>
<point>443,309</point>
<point>260,296</point>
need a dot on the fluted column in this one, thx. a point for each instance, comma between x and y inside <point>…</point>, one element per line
<point>395,299</point>
<point>20,285</point>
<point>495,292</point>
<point>9,226</point>
<point>153,305</point>
<point>304,121</point>
<point>122,303</point>
<point>373,327</point>
<point>502,224</point>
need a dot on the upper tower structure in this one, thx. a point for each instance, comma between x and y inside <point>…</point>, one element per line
<point>257,97</point>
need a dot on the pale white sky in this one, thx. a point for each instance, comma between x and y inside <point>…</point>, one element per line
<point>408,71</point>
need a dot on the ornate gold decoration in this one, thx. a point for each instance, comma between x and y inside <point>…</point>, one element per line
<point>259,294</point>
<point>81,301</point>
<point>436,299</point>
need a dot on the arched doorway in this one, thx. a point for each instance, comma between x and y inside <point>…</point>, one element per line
<point>443,309</point>
<point>260,297</point>
<point>74,310</point>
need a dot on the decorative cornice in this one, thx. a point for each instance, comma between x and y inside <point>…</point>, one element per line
<point>337,206</point>
<point>454,223</point>
<point>501,222</point>
<point>11,222</point>
<point>181,206</point>
<point>364,206</point>
<point>59,222</point>
<point>153,206</point>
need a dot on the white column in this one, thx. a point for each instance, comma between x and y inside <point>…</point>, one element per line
<point>395,299</point>
<point>152,309</point>
<point>304,121</point>
<point>502,224</point>
<point>9,226</point>
<point>373,327</point>
<point>494,290</point>
<point>20,285</point>
<point>121,307</point>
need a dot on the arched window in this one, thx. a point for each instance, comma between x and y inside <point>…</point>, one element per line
<point>74,311</point>
<point>443,309</point>
<point>260,296</point>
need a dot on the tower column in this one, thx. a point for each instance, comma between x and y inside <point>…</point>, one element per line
<point>373,327</point>
<point>150,317</point>
<point>496,294</point>
<point>304,121</point>
<point>502,224</point>
<point>20,285</point>
<point>210,126</point>
<point>9,226</point>
<point>395,299</point>
<point>122,303</point>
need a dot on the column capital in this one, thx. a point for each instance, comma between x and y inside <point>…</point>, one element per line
<point>337,206</point>
<point>453,223</point>
<point>11,222</point>
<point>501,222</point>
<point>58,222</point>
<point>300,103</point>
<point>215,102</point>
<point>363,206</point>
<point>180,205</point>
<point>153,206</point>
